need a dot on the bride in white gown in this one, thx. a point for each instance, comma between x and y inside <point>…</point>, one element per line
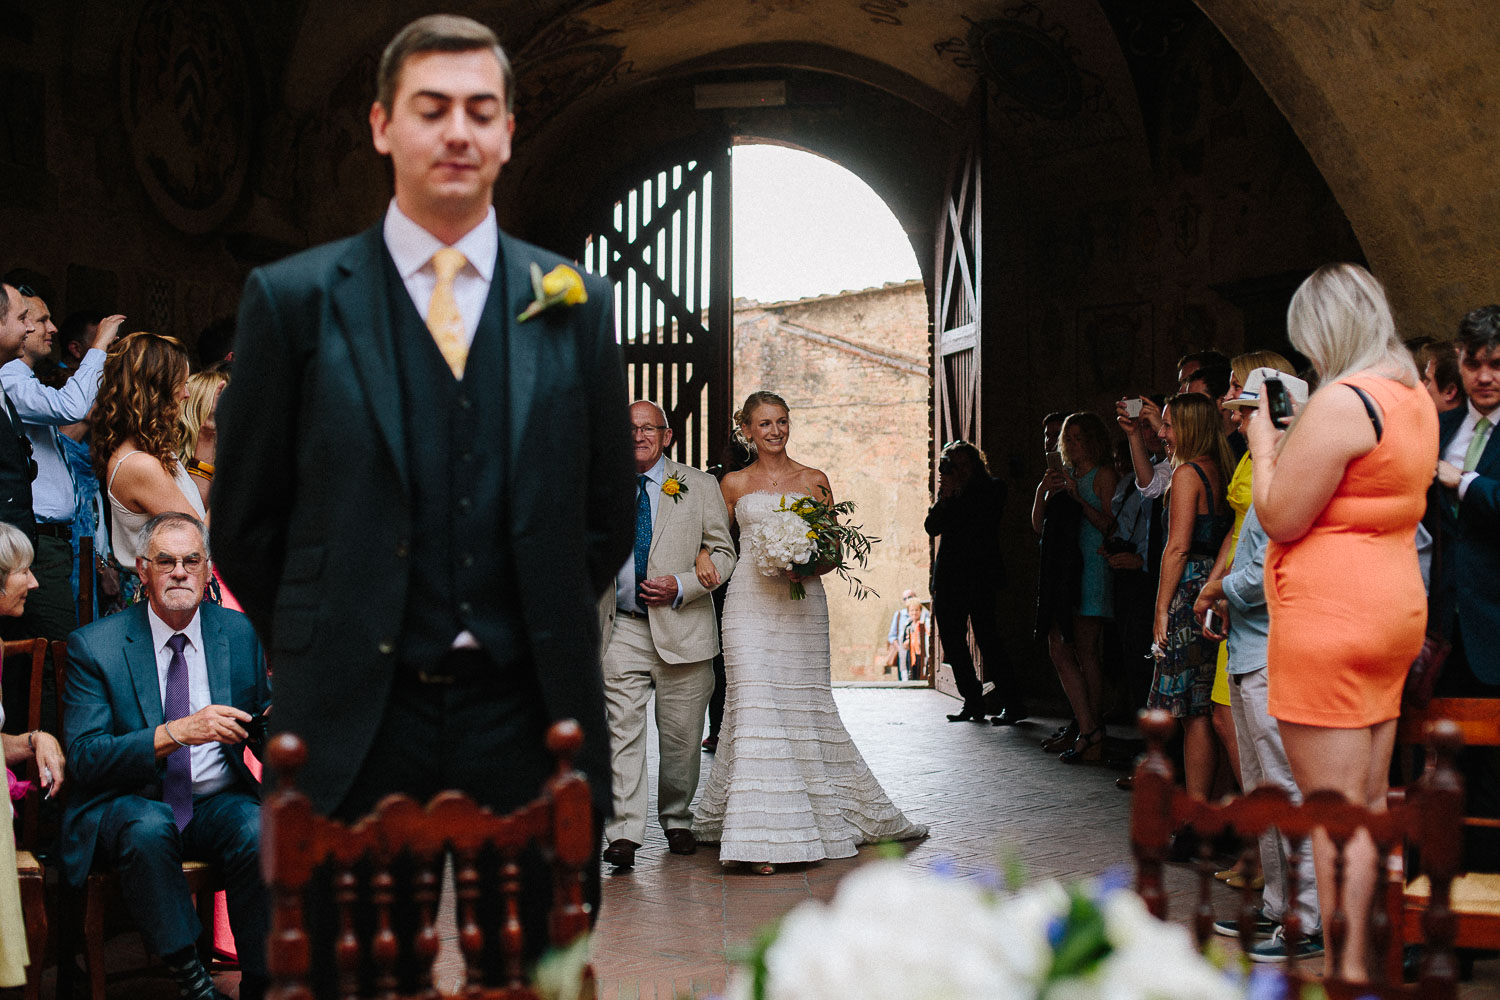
<point>788,784</point>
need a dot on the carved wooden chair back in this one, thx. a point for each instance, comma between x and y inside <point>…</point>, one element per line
<point>1474,896</point>
<point>295,842</point>
<point>1427,815</point>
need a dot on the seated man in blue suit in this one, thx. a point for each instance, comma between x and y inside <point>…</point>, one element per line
<point>156,704</point>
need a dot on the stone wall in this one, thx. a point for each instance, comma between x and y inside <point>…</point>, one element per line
<point>853,369</point>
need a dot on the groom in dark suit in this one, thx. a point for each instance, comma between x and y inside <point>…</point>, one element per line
<point>156,709</point>
<point>422,495</point>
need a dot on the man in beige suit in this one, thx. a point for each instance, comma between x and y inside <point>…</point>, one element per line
<point>659,632</point>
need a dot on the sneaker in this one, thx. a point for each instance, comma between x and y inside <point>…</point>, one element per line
<point>1276,950</point>
<point>1263,929</point>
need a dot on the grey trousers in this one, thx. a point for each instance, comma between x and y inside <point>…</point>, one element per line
<point>1263,762</point>
<point>632,672</point>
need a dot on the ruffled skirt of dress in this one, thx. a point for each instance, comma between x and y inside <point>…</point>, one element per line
<point>788,783</point>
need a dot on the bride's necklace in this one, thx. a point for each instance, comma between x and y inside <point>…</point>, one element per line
<point>776,480</point>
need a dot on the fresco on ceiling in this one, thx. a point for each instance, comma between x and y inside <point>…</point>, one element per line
<point>884,11</point>
<point>185,75</point>
<point>1038,89</point>
<point>562,63</point>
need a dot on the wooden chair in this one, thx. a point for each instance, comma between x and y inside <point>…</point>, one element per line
<point>1427,815</point>
<point>30,871</point>
<point>1474,896</point>
<point>295,842</point>
<point>90,912</point>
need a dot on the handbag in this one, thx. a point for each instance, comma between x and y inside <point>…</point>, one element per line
<point>889,660</point>
<point>1422,676</point>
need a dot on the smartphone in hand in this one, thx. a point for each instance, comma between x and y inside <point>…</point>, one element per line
<point>1278,402</point>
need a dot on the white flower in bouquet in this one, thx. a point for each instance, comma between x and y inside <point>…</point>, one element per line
<point>892,934</point>
<point>777,542</point>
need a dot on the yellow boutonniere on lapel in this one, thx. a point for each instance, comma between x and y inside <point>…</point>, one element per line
<point>560,286</point>
<point>674,487</point>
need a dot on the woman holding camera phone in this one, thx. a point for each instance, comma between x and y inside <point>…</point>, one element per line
<point>1197,519</point>
<point>1339,495</point>
<point>1091,482</point>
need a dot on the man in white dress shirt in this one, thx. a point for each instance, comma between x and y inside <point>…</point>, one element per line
<point>52,611</point>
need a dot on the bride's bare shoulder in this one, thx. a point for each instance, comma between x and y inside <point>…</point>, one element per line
<point>815,482</point>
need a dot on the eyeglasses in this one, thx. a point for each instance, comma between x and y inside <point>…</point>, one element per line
<point>166,564</point>
<point>647,430</point>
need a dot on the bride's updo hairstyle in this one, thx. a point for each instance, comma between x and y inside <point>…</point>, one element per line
<point>756,399</point>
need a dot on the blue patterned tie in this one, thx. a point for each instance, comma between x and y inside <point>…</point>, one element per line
<point>642,535</point>
<point>177,789</point>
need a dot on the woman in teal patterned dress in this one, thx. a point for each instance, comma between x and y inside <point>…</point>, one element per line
<point>1197,519</point>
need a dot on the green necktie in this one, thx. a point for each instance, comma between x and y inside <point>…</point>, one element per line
<point>1476,446</point>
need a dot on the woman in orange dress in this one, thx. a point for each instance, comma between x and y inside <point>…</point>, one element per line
<point>1340,494</point>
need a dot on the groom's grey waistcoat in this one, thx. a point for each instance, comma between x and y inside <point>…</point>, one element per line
<point>460,558</point>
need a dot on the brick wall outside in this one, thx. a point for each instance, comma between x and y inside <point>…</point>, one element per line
<point>853,368</point>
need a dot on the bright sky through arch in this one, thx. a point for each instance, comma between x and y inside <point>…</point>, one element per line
<point>805,226</point>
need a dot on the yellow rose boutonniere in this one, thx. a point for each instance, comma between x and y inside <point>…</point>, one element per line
<point>560,286</point>
<point>674,487</point>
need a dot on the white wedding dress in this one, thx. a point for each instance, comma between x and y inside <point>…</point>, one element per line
<point>788,784</point>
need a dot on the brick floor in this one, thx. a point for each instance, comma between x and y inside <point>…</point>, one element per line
<point>668,924</point>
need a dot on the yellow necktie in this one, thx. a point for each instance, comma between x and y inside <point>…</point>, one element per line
<point>443,320</point>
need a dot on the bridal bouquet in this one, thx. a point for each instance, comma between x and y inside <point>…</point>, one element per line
<point>804,535</point>
<point>894,934</point>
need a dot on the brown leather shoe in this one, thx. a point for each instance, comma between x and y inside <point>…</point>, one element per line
<point>621,853</point>
<point>680,841</point>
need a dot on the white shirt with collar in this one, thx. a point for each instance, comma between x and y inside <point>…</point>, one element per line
<point>412,247</point>
<point>1458,448</point>
<point>210,770</point>
<point>625,581</point>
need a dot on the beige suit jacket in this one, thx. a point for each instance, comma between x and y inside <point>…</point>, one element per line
<point>692,520</point>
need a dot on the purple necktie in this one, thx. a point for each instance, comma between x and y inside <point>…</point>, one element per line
<point>177,789</point>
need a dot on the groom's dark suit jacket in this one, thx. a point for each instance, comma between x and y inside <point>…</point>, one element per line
<point>1470,543</point>
<point>323,519</point>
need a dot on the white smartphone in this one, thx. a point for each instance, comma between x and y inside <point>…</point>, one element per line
<point>1054,461</point>
<point>1211,621</point>
<point>1133,407</point>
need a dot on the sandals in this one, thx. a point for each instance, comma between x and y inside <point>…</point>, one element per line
<point>765,868</point>
<point>1062,738</point>
<point>1089,747</point>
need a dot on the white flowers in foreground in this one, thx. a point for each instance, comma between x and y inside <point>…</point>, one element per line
<point>895,934</point>
<point>777,542</point>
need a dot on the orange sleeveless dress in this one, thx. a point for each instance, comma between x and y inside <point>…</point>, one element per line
<point>1348,608</point>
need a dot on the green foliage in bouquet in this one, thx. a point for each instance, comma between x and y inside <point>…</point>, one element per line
<point>836,544</point>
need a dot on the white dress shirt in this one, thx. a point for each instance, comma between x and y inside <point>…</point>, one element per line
<point>412,247</point>
<point>1161,478</point>
<point>54,495</point>
<point>625,581</point>
<point>210,770</point>
<point>1458,448</point>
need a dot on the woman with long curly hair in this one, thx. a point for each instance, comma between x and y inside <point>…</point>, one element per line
<point>137,434</point>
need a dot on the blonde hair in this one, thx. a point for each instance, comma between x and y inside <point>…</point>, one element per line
<point>1341,320</point>
<point>1199,431</point>
<point>203,393</point>
<point>16,552</point>
<point>1094,434</point>
<point>761,397</point>
<point>137,399</point>
<point>1244,364</point>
